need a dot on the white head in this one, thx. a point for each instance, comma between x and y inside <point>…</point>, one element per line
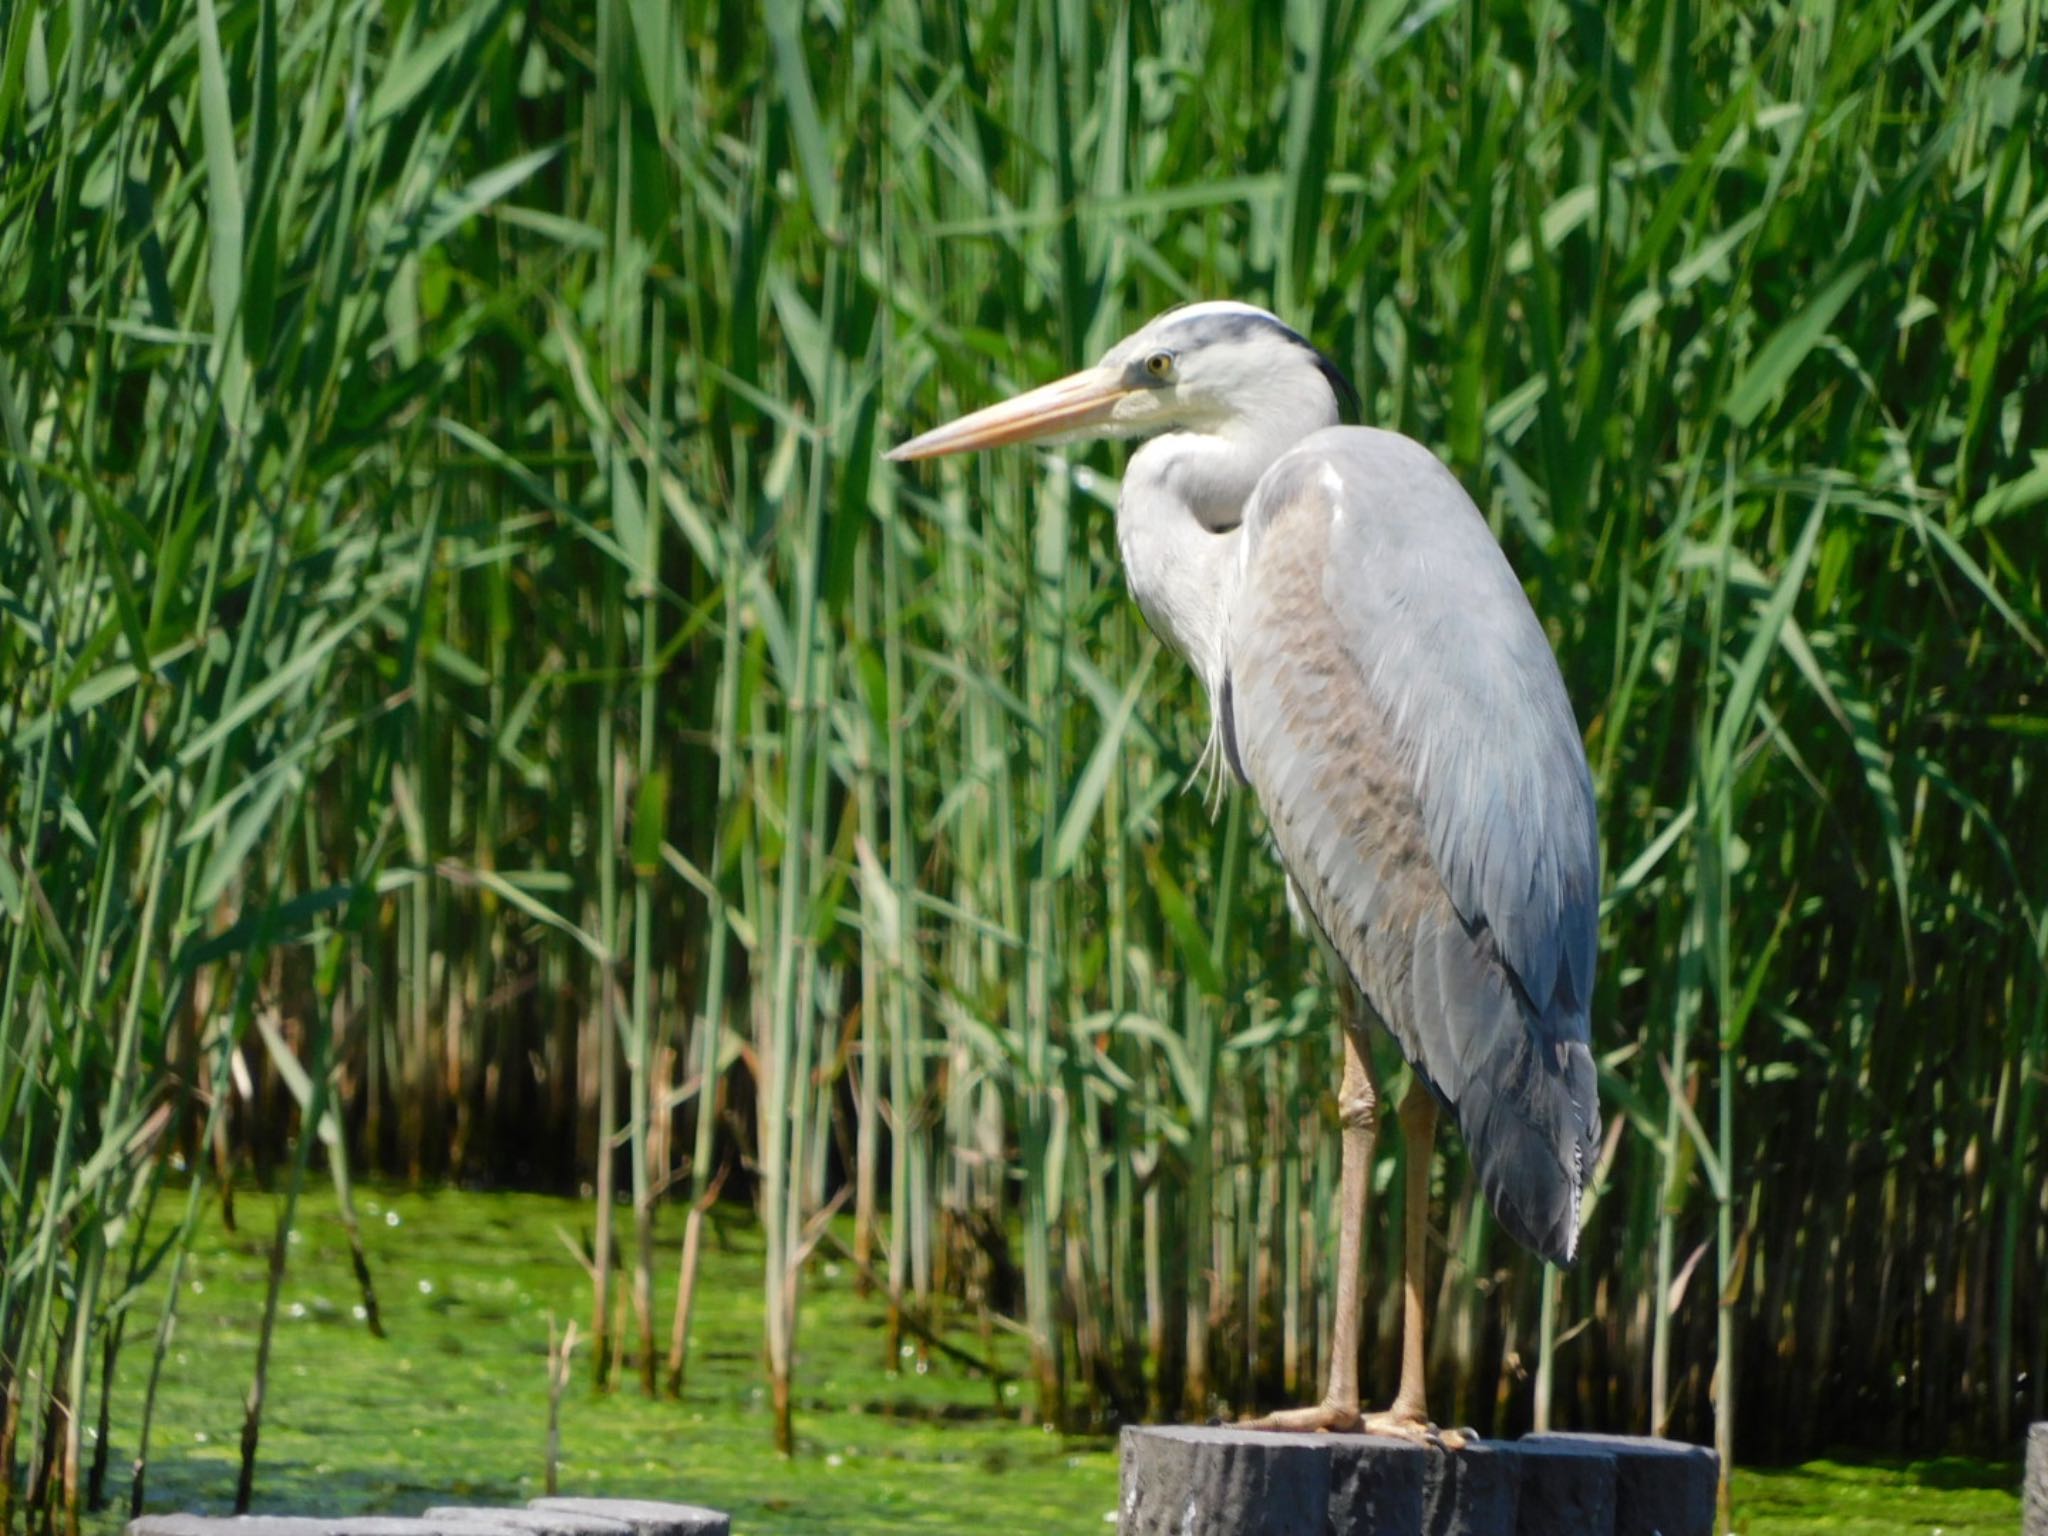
<point>1223,389</point>
<point>1222,369</point>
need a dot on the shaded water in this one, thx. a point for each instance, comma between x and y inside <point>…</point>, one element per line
<point>452,1404</point>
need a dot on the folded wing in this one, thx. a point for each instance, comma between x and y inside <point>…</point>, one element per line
<point>1395,705</point>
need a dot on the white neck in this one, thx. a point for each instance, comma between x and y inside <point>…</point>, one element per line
<point>1177,517</point>
<point>1180,552</point>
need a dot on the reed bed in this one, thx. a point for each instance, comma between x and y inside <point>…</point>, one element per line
<point>472,697</point>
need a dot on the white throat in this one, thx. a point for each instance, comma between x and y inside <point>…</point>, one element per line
<point>1183,498</point>
<point>1177,531</point>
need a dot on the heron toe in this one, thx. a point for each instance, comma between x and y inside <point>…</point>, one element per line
<point>1330,1418</point>
<point>1398,1424</point>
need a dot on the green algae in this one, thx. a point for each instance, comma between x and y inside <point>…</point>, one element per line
<point>1936,1497</point>
<point>452,1404</point>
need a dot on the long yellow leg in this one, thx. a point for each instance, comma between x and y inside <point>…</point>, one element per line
<point>1409,1416</point>
<point>1357,1102</point>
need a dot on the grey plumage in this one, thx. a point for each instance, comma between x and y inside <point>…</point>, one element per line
<point>1396,707</point>
<point>1376,674</point>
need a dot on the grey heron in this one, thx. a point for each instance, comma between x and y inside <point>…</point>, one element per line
<point>1377,676</point>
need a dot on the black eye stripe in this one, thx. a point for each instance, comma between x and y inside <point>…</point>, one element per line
<point>1216,326</point>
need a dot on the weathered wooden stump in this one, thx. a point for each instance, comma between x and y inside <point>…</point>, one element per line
<point>1568,1488</point>
<point>309,1525</point>
<point>530,1522</point>
<point>1229,1481</point>
<point>1473,1492</point>
<point>544,1517</point>
<point>1376,1484</point>
<point>647,1517</point>
<point>2034,1517</point>
<point>1192,1479</point>
<point>1662,1486</point>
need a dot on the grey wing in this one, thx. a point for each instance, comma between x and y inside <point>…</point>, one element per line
<point>1397,708</point>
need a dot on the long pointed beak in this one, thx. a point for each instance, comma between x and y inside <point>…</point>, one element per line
<point>1074,404</point>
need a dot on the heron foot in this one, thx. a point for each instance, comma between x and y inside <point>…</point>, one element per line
<point>1324,1417</point>
<point>1406,1424</point>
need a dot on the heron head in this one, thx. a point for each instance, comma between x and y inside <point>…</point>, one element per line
<point>1201,368</point>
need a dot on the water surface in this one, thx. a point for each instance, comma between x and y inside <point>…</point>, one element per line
<point>452,1404</point>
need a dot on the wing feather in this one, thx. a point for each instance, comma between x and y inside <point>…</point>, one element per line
<point>1397,708</point>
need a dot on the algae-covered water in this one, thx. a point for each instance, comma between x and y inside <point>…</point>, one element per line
<point>452,1404</point>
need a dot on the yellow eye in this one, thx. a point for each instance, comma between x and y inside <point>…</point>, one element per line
<point>1160,365</point>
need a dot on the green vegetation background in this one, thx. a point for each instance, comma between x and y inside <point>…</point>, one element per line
<point>452,1407</point>
<point>468,683</point>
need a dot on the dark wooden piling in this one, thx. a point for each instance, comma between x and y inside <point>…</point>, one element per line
<point>1228,1481</point>
<point>544,1517</point>
<point>647,1517</point>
